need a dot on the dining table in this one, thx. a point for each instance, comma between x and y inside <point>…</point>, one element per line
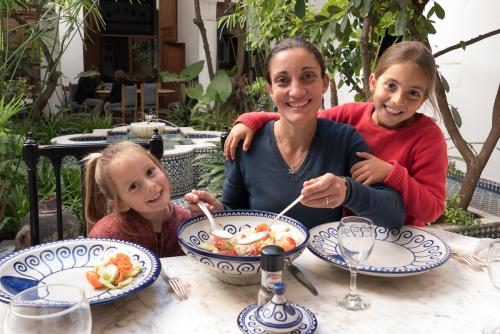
<point>452,298</point>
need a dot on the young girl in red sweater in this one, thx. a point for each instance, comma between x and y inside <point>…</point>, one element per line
<point>409,149</point>
<point>128,198</point>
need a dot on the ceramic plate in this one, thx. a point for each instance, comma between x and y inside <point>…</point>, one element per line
<point>67,261</point>
<point>396,252</point>
<point>248,324</point>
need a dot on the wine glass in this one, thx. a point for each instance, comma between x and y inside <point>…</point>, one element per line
<point>355,236</point>
<point>55,309</point>
<point>494,272</point>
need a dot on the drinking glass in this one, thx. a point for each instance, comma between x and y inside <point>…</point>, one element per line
<point>494,272</point>
<point>54,309</point>
<point>355,236</point>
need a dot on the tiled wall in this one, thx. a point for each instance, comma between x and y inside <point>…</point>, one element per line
<point>486,196</point>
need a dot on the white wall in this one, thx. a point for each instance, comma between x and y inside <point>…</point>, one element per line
<point>474,73</point>
<point>71,65</point>
<point>72,59</point>
<point>189,33</point>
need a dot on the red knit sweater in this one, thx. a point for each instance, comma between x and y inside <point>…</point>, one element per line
<point>417,152</point>
<point>129,226</point>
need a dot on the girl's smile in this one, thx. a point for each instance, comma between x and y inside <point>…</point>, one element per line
<point>140,184</point>
<point>397,95</point>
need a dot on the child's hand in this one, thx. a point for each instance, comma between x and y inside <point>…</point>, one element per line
<point>370,171</point>
<point>327,191</point>
<point>238,132</point>
<point>213,204</point>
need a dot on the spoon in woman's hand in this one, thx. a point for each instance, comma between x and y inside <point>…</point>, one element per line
<point>254,237</point>
<point>214,229</point>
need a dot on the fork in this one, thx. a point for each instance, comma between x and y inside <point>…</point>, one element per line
<point>176,285</point>
<point>470,260</point>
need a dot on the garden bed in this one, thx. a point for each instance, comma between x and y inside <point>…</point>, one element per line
<point>488,226</point>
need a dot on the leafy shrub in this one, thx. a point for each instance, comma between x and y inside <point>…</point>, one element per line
<point>455,215</point>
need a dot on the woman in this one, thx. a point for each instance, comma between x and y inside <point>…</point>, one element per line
<point>300,154</point>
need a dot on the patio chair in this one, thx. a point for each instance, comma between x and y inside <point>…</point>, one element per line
<point>149,98</point>
<point>128,105</point>
<point>70,95</point>
<point>57,154</point>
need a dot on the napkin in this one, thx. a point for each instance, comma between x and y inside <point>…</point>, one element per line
<point>477,249</point>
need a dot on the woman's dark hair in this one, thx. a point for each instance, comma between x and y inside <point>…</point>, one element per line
<point>294,43</point>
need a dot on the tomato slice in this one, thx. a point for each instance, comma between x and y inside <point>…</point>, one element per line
<point>93,278</point>
<point>218,243</point>
<point>262,227</point>
<point>228,252</point>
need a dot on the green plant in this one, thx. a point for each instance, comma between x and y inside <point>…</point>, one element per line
<point>207,109</point>
<point>455,215</point>
<point>258,90</point>
<point>182,110</point>
<point>16,207</point>
<point>211,112</point>
<point>212,165</point>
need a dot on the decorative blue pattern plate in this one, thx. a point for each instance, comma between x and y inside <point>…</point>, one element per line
<point>67,261</point>
<point>249,325</point>
<point>396,252</point>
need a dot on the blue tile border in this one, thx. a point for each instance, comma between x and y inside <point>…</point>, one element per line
<point>483,199</point>
<point>488,185</point>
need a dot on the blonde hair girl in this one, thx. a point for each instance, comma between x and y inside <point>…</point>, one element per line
<point>128,198</point>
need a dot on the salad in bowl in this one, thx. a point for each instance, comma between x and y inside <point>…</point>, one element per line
<point>262,235</point>
<point>232,260</point>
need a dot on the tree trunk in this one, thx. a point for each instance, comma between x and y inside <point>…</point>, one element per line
<point>334,96</point>
<point>53,75</point>
<point>476,166</point>
<point>240,53</point>
<point>365,56</point>
<point>198,21</point>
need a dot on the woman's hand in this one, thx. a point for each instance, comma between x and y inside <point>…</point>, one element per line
<point>213,204</point>
<point>238,132</point>
<point>327,191</point>
<point>371,170</point>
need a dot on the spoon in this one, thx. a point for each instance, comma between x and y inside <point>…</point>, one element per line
<point>214,229</point>
<point>252,238</point>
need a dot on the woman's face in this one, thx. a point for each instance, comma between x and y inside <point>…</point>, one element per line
<point>297,86</point>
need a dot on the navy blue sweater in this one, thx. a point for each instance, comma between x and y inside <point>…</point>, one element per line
<point>259,179</point>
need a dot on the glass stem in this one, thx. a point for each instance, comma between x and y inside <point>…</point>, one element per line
<point>352,283</point>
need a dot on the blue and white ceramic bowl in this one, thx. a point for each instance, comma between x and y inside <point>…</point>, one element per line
<point>238,270</point>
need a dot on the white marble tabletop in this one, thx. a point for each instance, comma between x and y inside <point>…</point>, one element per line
<point>452,298</point>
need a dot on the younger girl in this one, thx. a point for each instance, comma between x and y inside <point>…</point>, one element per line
<point>409,149</point>
<point>128,181</point>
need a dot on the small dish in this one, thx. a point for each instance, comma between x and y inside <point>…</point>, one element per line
<point>248,324</point>
<point>278,315</point>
